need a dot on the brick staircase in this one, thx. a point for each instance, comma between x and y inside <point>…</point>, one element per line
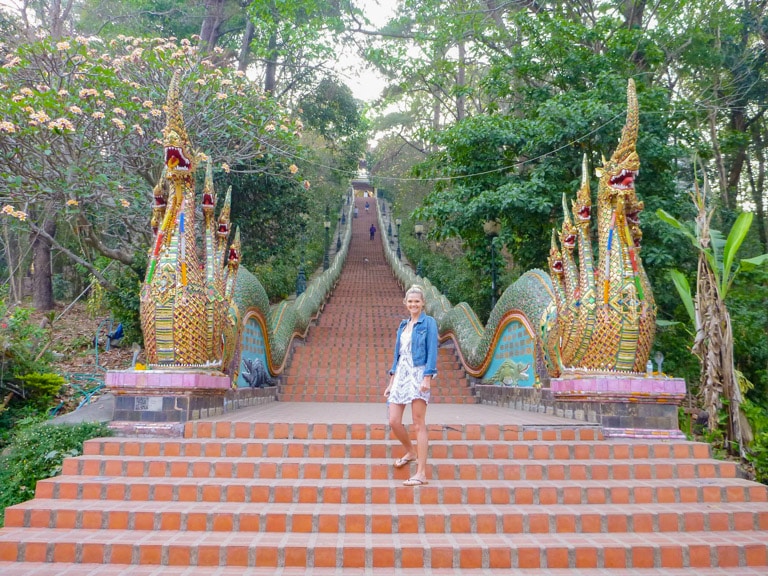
<point>309,488</point>
<point>349,350</point>
<point>263,497</point>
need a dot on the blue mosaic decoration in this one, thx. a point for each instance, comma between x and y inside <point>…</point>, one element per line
<point>513,359</point>
<point>254,347</point>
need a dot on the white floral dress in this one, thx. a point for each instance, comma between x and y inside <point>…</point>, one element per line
<point>406,386</point>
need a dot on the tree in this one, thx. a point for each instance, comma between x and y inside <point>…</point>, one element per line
<point>79,121</point>
<point>333,112</point>
<point>294,41</point>
<point>713,340</point>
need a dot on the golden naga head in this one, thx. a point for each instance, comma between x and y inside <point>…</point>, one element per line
<point>582,206</point>
<point>618,174</point>
<point>209,195</point>
<point>555,257</point>
<point>568,233</point>
<point>224,224</point>
<point>179,158</point>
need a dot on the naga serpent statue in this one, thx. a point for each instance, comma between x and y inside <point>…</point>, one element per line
<point>211,313</point>
<point>606,315</point>
<point>593,313</point>
<point>185,305</point>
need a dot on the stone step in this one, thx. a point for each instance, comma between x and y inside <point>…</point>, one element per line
<point>340,448</point>
<point>381,491</point>
<point>387,518</point>
<point>351,550</point>
<point>438,468</point>
<point>365,399</point>
<point>322,431</point>
<point>48,569</point>
<point>354,383</point>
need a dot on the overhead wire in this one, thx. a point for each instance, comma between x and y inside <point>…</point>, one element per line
<point>705,106</point>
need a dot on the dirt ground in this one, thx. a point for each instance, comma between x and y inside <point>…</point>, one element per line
<point>73,335</point>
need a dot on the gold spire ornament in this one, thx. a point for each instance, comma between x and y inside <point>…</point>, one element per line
<point>606,313</point>
<point>185,302</point>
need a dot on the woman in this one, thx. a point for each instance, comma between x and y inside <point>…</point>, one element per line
<point>410,381</point>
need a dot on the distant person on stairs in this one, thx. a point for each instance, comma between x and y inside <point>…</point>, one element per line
<point>372,231</point>
<point>410,381</point>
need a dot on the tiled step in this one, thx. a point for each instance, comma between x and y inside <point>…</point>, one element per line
<point>341,448</point>
<point>365,550</point>
<point>364,398</point>
<point>385,518</point>
<point>445,492</point>
<point>352,431</point>
<point>47,569</point>
<point>439,469</point>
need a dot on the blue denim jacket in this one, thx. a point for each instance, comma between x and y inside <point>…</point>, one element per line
<point>423,344</point>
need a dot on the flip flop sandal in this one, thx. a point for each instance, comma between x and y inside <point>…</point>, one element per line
<point>415,482</point>
<point>402,462</point>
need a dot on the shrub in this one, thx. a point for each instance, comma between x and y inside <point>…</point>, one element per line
<point>123,299</point>
<point>21,344</point>
<point>40,389</point>
<point>37,451</point>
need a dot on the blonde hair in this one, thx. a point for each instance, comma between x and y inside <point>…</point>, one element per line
<point>416,289</point>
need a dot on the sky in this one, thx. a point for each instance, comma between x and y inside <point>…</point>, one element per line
<point>364,82</point>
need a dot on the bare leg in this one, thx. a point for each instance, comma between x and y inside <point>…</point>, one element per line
<point>419,413</point>
<point>401,433</point>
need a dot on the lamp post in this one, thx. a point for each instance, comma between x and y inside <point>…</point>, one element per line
<point>397,223</point>
<point>419,271</point>
<point>327,226</point>
<point>419,229</point>
<point>492,229</point>
<point>301,279</point>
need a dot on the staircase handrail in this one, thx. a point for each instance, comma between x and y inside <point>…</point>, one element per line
<point>474,342</point>
<point>290,318</point>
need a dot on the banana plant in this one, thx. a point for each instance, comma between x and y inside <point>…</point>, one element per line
<point>713,339</point>
<point>719,254</point>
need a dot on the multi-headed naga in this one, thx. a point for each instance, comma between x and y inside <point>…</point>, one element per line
<point>605,310</point>
<point>184,302</point>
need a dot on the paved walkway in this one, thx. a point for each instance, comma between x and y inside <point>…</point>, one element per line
<point>349,412</point>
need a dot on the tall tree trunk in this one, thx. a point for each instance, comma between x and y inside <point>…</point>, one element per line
<point>270,76</point>
<point>722,180</point>
<point>633,13</point>
<point>460,81</point>
<point>245,47</point>
<point>738,125</point>
<point>757,186</point>
<point>42,278</point>
<point>13,259</point>
<point>210,29</point>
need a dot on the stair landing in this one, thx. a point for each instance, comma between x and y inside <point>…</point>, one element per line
<point>309,488</point>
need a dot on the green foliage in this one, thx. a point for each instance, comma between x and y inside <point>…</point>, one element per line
<point>720,255</point>
<point>757,452</point>
<point>123,299</point>
<point>40,389</point>
<point>757,455</point>
<point>278,278</point>
<point>164,18</point>
<point>37,451</point>
<point>333,112</point>
<point>95,305</point>
<point>22,344</point>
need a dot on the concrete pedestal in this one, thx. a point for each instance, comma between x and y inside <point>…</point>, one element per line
<point>160,401</point>
<point>625,406</point>
<point>628,407</point>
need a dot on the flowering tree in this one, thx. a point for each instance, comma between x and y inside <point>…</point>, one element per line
<point>80,148</point>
